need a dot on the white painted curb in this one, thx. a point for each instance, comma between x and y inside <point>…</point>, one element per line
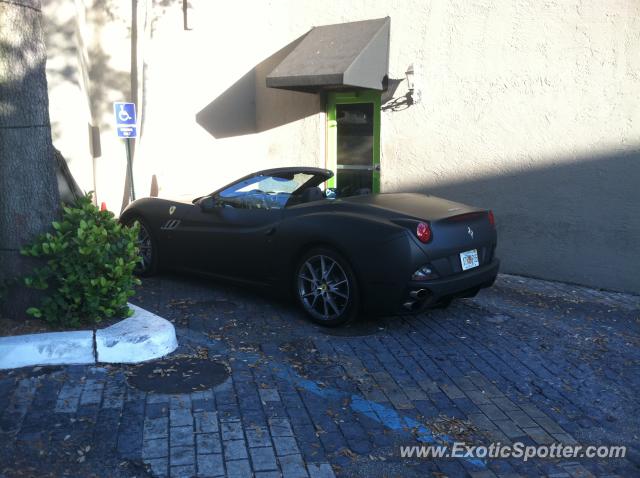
<point>53,348</point>
<point>143,336</point>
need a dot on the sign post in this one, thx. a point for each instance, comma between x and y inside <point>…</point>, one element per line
<point>125,114</point>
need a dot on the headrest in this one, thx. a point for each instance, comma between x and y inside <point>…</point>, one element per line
<point>311,194</point>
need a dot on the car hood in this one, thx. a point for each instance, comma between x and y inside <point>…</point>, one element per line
<point>417,205</point>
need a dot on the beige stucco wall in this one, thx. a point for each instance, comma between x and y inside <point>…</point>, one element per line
<point>216,71</point>
<point>529,108</point>
<point>88,68</point>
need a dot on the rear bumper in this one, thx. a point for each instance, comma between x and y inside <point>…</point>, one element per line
<point>460,285</point>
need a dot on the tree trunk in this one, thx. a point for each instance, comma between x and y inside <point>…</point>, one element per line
<point>28,188</point>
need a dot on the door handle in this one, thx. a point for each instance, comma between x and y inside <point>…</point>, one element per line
<point>270,232</point>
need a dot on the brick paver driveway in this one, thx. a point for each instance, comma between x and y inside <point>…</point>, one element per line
<point>526,361</point>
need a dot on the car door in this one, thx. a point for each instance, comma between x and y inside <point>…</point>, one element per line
<point>232,232</point>
<point>229,242</point>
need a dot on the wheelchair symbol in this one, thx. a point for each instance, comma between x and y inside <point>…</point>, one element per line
<point>123,114</point>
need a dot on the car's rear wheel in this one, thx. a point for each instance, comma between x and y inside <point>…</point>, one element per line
<point>326,287</point>
<point>147,248</point>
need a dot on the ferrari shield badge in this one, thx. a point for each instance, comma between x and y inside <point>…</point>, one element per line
<point>172,209</point>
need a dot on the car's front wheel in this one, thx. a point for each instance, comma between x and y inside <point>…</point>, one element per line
<point>326,287</point>
<point>147,248</point>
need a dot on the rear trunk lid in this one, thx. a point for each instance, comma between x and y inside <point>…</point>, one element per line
<point>419,206</point>
<point>456,228</point>
<point>467,236</point>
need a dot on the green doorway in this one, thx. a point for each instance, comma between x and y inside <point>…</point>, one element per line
<point>353,141</point>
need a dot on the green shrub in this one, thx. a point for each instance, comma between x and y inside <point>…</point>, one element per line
<point>88,273</point>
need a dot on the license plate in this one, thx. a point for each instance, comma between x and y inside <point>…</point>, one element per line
<point>469,259</point>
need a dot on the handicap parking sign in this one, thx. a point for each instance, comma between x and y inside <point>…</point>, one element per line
<point>125,114</point>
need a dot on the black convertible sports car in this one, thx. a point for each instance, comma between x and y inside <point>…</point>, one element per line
<point>340,256</point>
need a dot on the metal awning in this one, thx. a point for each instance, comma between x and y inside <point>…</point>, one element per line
<point>346,55</point>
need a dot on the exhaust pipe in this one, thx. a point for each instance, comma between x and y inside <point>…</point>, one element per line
<point>419,294</point>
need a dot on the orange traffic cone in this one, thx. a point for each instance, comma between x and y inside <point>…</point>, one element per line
<point>103,206</point>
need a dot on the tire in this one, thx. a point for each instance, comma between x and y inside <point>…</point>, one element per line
<point>148,247</point>
<point>326,287</point>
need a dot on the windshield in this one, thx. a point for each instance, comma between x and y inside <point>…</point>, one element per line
<point>263,191</point>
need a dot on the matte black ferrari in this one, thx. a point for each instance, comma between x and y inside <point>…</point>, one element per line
<point>339,256</point>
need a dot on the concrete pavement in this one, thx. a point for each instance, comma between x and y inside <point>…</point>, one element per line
<point>528,361</point>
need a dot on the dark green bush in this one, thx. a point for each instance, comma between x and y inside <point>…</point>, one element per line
<point>5,284</point>
<point>89,266</point>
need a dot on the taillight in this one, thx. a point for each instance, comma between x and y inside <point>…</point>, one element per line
<point>423,231</point>
<point>492,219</point>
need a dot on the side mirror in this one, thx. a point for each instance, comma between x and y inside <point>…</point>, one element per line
<point>207,204</point>
<point>331,193</point>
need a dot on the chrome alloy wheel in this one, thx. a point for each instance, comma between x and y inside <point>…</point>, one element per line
<point>323,287</point>
<point>145,248</point>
